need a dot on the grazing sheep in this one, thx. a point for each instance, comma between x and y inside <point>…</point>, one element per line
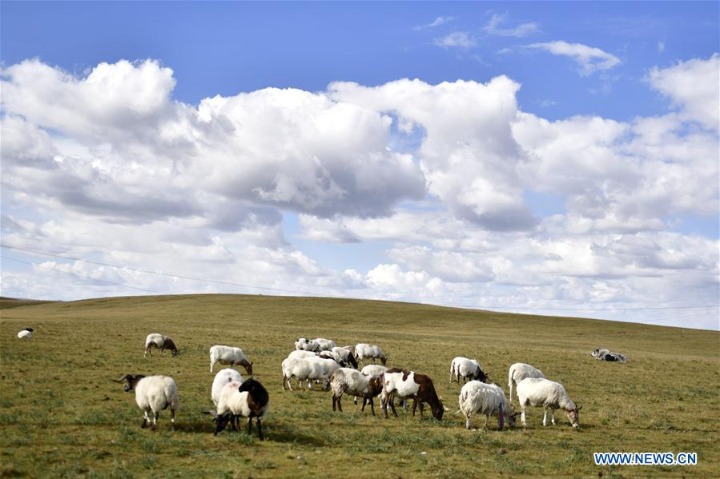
<point>156,340</point>
<point>467,369</point>
<point>520,371</point>
<point>307,345</point>
<point>342,356</point>
<point>249,399</point>
<point>224,376</point>
<point>487,399</point>
<point>354,383</point>
<point>325,344</point>
<point>539,392</point>
<point>25,333</point>
<point>153,394</point>
<point>365,351</point>
<point>306,369</point>
<point>229,356</point>
<point>408,384</point>
<point>602,354</point>
<point>372,370</point>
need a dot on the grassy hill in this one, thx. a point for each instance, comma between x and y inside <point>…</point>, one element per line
<point>62,416</point>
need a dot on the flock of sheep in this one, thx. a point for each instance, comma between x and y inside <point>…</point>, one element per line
<point>321,361</point>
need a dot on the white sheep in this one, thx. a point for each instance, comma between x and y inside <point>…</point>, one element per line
<point>353,382</point>
<point>374,370</point>
<point>230,356</point>
<point>307,345</point>
<point>539,392</point>
<point>305,369</point>
<point>153,394</point>
<point>520,371</point>
<point>466,368</point>
<point>161,342</point>
<point>25,333</point>
<point>249,399</point>
<point>488,399</point>
<point>325,344</point>
<point>365,351</point>
<point>224,376</point>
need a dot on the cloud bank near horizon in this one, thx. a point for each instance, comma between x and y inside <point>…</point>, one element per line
<point>449,182</point>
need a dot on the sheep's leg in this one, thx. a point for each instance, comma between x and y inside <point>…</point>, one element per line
<point>212,365</point>
<point>552,415</point>
<point>250,426</point>
<point>545,413</point>
<point>259,427</point>
<point>467,421</point>
<point>155,420</point>
<point>522,415</point>
<point>510,385</point>
<point>372,406</point>
<point>172,417</point>
<point>487,418</point>
<point>146,419</point>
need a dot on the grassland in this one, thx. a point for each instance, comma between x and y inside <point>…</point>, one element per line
<point>62,416</point>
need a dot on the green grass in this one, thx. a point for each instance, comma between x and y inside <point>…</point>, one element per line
<point>62,416</point>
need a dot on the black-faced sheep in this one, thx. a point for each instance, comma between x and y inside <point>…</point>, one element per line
<point>466,368</point>
<point>153,394</point>
<point>25,333</point>
<point>249,399</point>
<point>156,340</point>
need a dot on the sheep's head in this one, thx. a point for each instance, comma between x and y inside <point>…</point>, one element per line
<point>130,381</point>
<point>574,416</point>
<point>221,421</point>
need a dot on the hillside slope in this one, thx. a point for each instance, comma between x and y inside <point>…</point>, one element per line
<point>664,399</point>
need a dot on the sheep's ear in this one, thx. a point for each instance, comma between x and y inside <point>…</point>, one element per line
<point>579,408</point>
<point>210,413</point>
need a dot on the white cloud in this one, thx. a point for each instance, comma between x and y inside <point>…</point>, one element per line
<point>469,158</point>
<point>192,198</point>
<point>493,27</point>
<point>456,40</point>
<point>439,21</point>
<point>693,87</point>
<point>590,59</point>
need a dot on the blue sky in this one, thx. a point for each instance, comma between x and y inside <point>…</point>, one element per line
<point>541,157</point>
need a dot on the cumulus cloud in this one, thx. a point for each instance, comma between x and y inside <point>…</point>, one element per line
<point>161,196</point>
<point>692,86</point>
<point>589,59</point>
<point>469,159</point>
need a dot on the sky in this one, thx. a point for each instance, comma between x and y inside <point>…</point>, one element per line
<point>554,158</point>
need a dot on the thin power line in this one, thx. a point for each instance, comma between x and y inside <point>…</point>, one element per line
<point>158,273</point>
